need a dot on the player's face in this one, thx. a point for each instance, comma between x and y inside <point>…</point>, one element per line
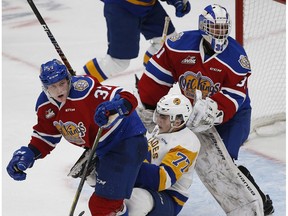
<point>163,122</point>
<point>218,31</point>
<point>59,90</point>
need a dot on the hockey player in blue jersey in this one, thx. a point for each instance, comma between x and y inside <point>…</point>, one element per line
<point>75,108</point>
<point>125,21</point>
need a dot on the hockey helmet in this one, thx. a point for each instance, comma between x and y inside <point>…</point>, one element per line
<point>177,106</point>
<point>52,72</point>
<point>215,26</point>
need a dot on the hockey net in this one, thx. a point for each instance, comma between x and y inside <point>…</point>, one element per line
<point>261,29</point>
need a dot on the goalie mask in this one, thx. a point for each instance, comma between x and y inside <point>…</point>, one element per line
<point>215,26</point>
<point>176,106</point>
<point>53,72</point>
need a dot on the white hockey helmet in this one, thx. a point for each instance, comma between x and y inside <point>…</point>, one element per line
<point>215,26</point>
<point>177,106</point>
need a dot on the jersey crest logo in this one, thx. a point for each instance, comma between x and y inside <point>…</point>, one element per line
<point>189,60</point>
<point>71,131</point>
<point>49,114</point>
<point>81,85</point>
<point>244,62</point>
<point>190,81</point>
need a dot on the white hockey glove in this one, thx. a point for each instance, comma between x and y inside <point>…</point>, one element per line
<point>146,115</point>
<point>205,114</point>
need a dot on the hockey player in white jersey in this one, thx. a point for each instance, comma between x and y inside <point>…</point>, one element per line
<point>166,175</point>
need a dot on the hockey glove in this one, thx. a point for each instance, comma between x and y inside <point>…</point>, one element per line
<point>109,112</point>
<point>22,159</point>
<point>78,168</point>
<point>180,7</point>
<point>205,114</point>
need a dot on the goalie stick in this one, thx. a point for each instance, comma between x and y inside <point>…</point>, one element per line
<point>51,37</point>
<point>79,189</point>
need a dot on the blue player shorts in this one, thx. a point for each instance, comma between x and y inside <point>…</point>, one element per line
<point>124,28</point>
<point>236,131</point>
<point>117,170</point>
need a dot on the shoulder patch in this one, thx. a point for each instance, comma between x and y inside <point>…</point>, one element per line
<point>176,37</point>
<point>80,85</point>
<point>244,62</point>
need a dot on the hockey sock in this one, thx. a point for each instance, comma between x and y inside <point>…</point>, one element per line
<point>100,206</point>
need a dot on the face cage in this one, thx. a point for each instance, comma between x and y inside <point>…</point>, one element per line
<point>215,34</point>
<point>219,31</point>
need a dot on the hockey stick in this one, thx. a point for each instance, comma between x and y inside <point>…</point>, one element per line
<point>79,189</point>
<point>165,29</point>
<point>163,38</point>
<point>51,37</point>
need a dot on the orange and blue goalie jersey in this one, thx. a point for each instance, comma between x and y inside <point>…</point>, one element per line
<point>223,76</point>
<point>74,120</point>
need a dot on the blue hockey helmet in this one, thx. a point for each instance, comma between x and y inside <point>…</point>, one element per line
<point>215,26</point>
<point>52,72</point>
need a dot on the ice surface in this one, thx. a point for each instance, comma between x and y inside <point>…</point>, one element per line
<point>79,28</point>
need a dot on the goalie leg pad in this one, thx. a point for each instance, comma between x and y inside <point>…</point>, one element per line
<point>249,209</point>
<point>230,187</point>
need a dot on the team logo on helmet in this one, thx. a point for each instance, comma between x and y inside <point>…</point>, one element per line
<point>190,81</point>
<point>244,62</point>
<point>71,131</point>
<point>177,101</point>
<point>81,85</point>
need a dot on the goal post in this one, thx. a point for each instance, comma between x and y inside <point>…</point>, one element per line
<point>261,29</point>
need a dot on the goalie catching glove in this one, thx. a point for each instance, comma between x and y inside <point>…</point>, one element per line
<point>205,114</point>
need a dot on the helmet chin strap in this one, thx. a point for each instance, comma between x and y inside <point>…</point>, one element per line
<point>175,127</point>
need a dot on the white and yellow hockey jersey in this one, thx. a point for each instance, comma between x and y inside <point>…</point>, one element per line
<point>170,163</point>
